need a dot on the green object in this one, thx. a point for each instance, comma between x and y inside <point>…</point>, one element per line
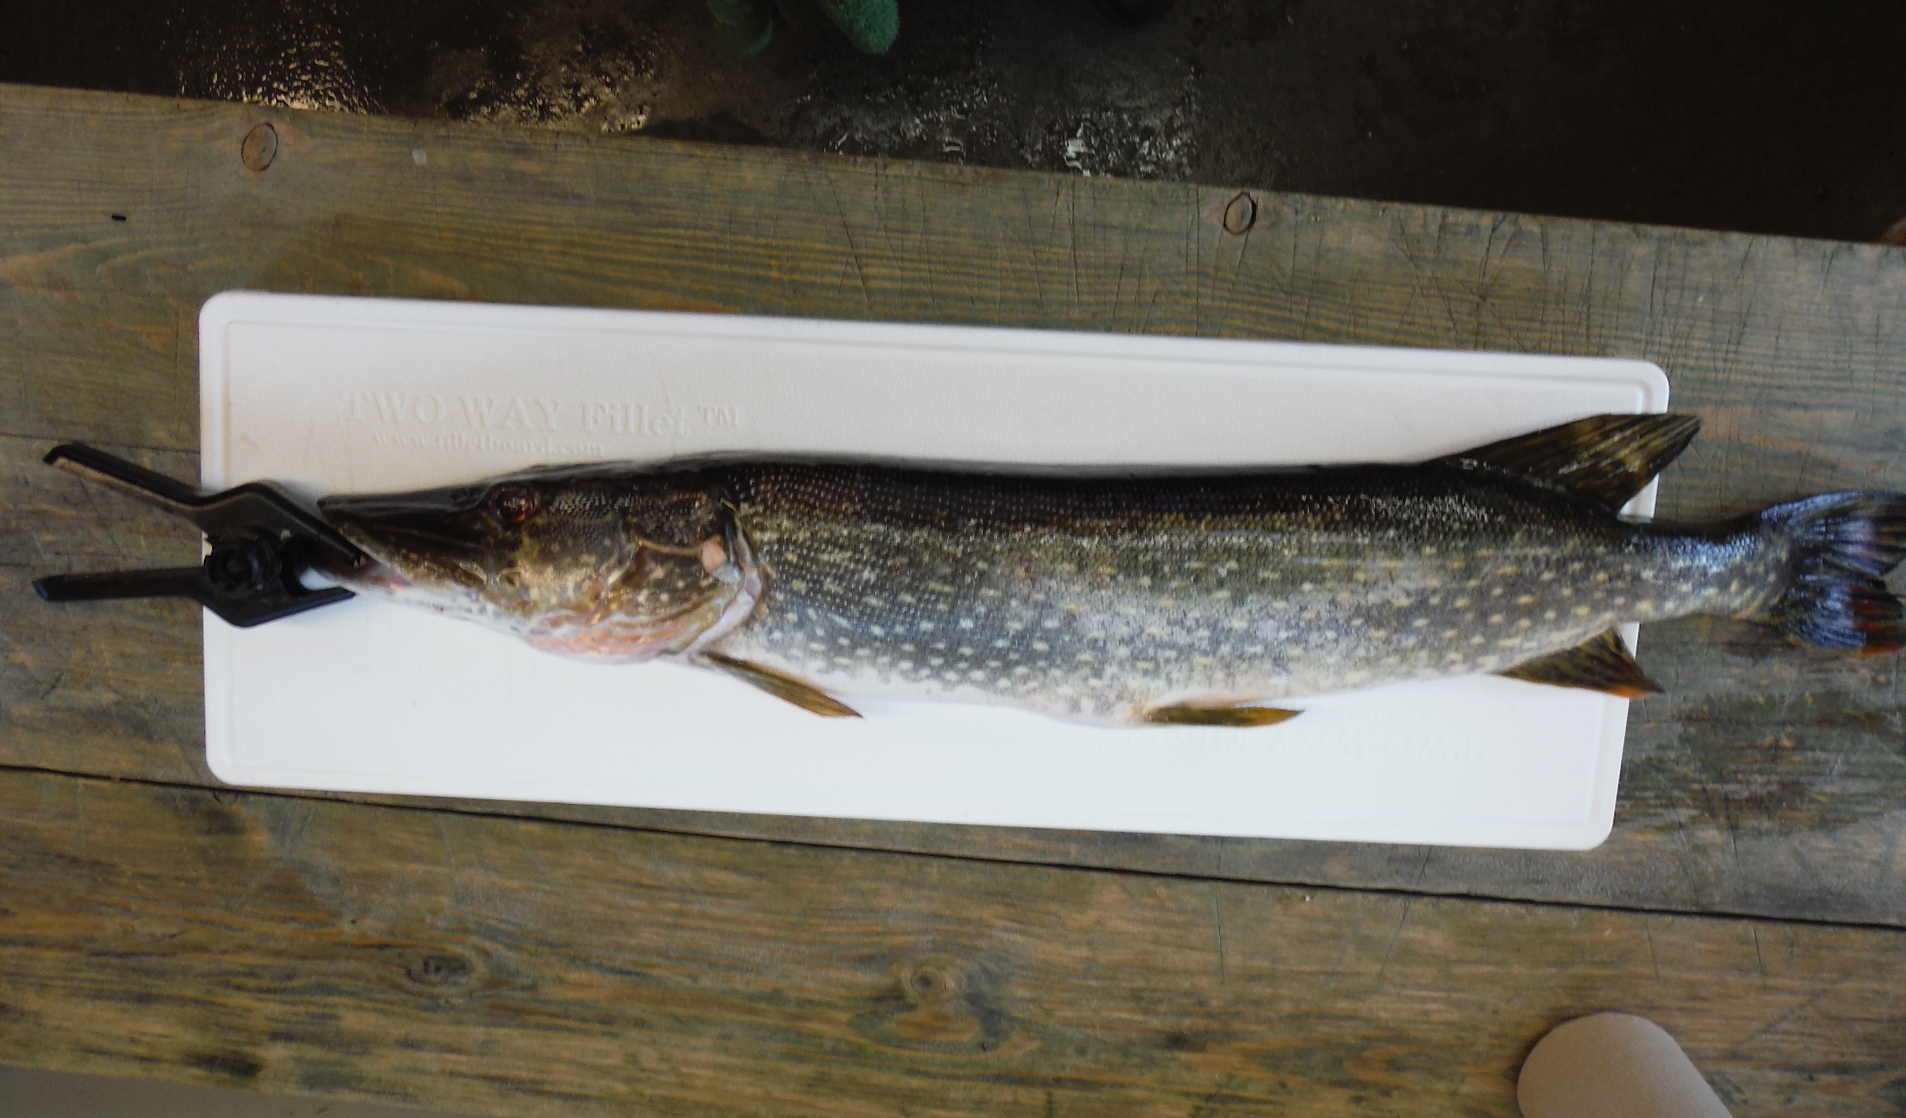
<point>870,25</point>
<point>744,26</point>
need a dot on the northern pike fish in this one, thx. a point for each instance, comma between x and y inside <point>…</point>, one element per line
<point>1176,597</point>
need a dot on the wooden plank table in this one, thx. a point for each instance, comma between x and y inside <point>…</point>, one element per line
<point>533,959</point>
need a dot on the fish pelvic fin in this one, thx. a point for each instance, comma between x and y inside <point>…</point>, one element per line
<point>1608,458</point>
<point>1600,663</point>
<point>804,695</point>
<point>1240,716</point>
<point>1843,546</point>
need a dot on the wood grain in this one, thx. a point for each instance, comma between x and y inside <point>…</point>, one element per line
<point>1769,782</point>
<point>99,368</point>
<point>521,968</point>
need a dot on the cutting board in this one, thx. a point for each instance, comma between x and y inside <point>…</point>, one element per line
<point>327,395</point>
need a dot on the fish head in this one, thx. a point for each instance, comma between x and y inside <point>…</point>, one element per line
<point>614,565</point>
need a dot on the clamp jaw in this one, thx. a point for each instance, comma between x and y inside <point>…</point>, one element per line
<point>259,544</point>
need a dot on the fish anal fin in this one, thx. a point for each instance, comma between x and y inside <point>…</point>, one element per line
<point>1608,458</point>
<point>804,695</point>
<point>1601,663</point>
<point>1184,714</point>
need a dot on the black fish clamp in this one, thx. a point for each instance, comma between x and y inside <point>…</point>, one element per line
<point>259,545</point>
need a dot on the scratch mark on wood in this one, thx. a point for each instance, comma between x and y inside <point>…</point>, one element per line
<point>853,247</point>
<point>1217,925</point>
<point>1390,948</point>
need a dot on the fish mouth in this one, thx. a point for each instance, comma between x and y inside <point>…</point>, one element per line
<point>443,514</point>
<point>411,541</point>
<point>372,573</point>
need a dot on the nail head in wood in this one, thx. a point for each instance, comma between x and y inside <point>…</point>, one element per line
<point>1240,214</point>
<point>260,147</point>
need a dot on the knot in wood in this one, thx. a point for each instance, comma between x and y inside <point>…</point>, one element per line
<point>929,983</point>
<point>438,968</point>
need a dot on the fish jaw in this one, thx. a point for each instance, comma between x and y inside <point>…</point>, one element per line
<point>616,642</point>
<point>425,549</point>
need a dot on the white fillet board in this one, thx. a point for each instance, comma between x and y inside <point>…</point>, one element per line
<point>327,394</point>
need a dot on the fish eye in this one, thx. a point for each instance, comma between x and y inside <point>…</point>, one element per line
<point>513,504</point>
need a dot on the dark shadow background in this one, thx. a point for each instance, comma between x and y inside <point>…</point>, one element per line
<point>1754,115</point>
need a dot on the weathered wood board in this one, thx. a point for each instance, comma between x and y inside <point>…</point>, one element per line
<point>1770,781</point>
<point>520,968</point>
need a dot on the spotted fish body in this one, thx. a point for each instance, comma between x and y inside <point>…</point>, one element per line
<point>1100,600</point>
<point>1118,600</point>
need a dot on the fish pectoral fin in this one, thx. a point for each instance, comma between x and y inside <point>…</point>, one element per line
<point>1601,663</point>
<point>804,695</point>
<point>1608,458</point>
<point>1184,714</point>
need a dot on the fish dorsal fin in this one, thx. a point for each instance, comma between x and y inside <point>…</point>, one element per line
<point>1186,714</point>
<point>1600,663</point>
<point>804,695</point>
<point>1608,458</point>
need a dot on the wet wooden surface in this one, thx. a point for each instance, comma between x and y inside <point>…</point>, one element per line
<point>518,967</point>
<point>1770,783</point>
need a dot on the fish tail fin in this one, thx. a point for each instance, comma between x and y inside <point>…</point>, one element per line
<point>1843,546</point>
